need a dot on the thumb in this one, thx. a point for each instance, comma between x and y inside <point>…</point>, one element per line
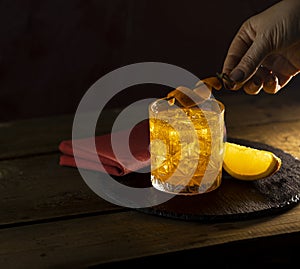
<point>250,61</point>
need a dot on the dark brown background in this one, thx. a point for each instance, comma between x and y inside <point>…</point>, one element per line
<point>52,51</point>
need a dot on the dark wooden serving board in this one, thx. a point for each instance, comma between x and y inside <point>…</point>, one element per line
<point>234,199</point>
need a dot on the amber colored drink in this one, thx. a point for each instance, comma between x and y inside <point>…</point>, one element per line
<point>186,146</point>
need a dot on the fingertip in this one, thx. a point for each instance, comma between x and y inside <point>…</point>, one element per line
<point>237,75</point>
<point>232,86</point>
<point>234,80</point>
<point>228,83</point>
<point>272,90</point>
<point>249,92</point>
<point>283,80</point>
<point>271,84</point>
<point>253,87</point>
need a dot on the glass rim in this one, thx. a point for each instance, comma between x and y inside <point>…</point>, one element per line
<point>220,103</point>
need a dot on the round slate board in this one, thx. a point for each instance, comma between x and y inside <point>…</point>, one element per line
<point>234,199</point>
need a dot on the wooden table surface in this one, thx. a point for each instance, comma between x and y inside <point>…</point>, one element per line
<point>51,219</point>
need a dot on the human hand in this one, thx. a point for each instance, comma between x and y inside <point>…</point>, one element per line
<point>265,53</point>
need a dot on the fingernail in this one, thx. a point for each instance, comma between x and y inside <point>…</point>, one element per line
<point>237,75</point>
<point>270,82</point>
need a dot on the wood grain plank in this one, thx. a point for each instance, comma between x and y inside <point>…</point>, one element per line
<point>37,188</point>
<point>41,135</point>
<point>283,135</point>
<point>101,239</point>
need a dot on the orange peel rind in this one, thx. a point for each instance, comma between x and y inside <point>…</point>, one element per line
<point>189,98</point>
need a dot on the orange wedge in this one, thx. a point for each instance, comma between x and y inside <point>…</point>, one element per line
<point>246,163</point>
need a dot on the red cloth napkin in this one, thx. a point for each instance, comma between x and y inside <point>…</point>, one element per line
<point>118,164</point>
